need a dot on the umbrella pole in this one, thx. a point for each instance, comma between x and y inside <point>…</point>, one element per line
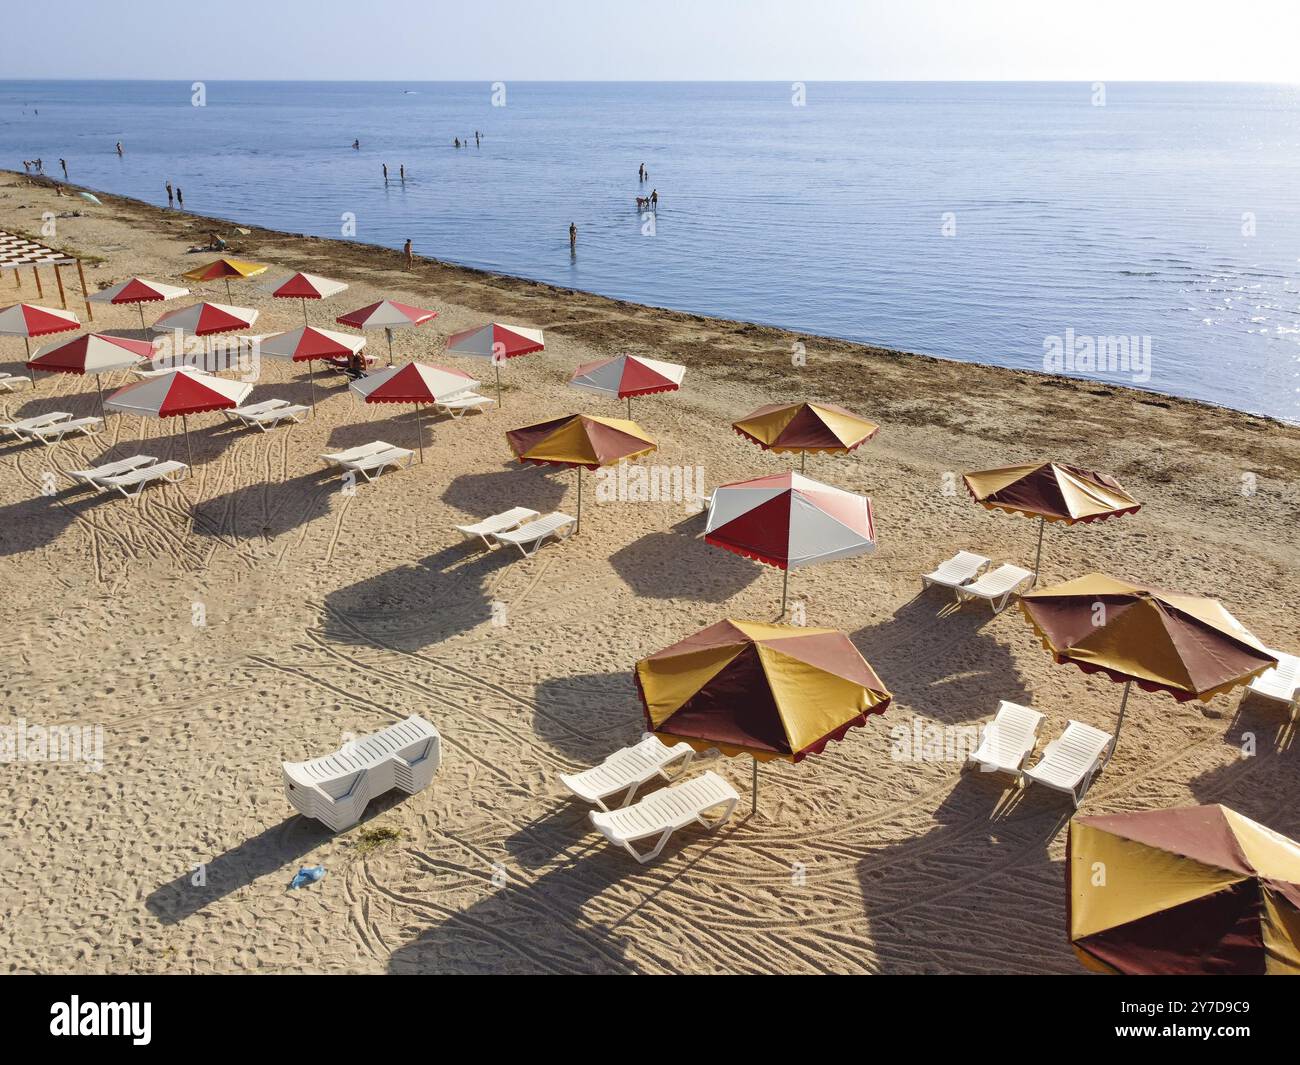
<point>1123,705</point>
<point>228,295</point>
<point>419,432</point>
<point>578,527</point>
<point>311,367</point>
<point>1038,556</point>
<point>629,408</point>
<point>143,328</point>
<point>189,448</point>
<point>389,333</point>
<point>753,800</point>
<point>497,366</point>
<point>803,460</point>
<point>304,310</point>
<point>99,384</point>
<point>785,587</point>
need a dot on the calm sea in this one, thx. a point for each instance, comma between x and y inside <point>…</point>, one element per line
<point>999,223</point>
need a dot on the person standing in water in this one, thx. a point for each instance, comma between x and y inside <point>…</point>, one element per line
<point>401,173</point>
<point>409,252</point>
<point>654,199</point>
<point>356,146</point>
<point>385,173</point>
<point>171,196</point>
<point>477,143</point>
<point>64,164</point>
<point>180,198</point>
<point>573,236</point>
<point>119,148</point>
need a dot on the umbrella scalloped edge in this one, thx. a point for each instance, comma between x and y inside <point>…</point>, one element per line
<point>781,449</point>
<point>756,556</point>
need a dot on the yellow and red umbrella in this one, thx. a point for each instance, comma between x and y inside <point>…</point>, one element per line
<point>768,691</point>
<point>1050,491</point>
<point>1185,645</point>
<point>1199,890</point>
<point>223,270</point>
<point>581,442</point>
<point>805,427</point>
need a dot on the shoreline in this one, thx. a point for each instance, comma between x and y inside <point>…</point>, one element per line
<point>506,281</point>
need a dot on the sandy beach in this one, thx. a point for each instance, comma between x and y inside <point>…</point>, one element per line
<point>327,613</point>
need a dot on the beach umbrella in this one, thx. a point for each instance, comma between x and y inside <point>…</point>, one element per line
<point>496,342</point>
<point>138,291</point>
<point>179,394</point>
<point>626,376</point>
<point>91,353</point>
<point>387,315</point>
<point>304,287</point>
<point>769,691</point>
<point>788,520</point>
<point>413,383</point>
<point>1199,890</point>
<point>579,441</point>
<point>805,427</point>
<point>307,344</point>
<point>1050,491</point>
<point>26,320</point>
<point>224,270</point>
<point>1186,645</point>
<point>206,319</point>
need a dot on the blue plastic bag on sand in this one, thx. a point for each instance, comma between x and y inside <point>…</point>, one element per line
<point>308,874</point>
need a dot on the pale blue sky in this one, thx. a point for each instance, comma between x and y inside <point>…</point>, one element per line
<point>809,40</point>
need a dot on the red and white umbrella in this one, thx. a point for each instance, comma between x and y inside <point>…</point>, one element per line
<point>387,315</point>
<point>26,320</point>
<point>304,287</point>
<point>307,344</point>
<point>626,376</point>
<point>179,394</point>
<point>93,353</point>
<point>206,319</point>
<point>496,342</point>
<point>788,520</point>
<point>413,383</point>
<point>139,291</point>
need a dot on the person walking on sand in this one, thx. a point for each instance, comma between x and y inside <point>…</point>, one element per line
<point>180,198</point>
<point>573,236</point>
<point>119,148</point>
<point>171,196</point>
<point>409,252</point>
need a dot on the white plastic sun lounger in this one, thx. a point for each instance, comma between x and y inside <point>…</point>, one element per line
<point>335,790</point>
<point>962,567</point>
<point>371,466</point>
<point>619,775</point>
<point>1068,763</point>
<point>663,812</point>
<point>271,417</point>
<point>1281,683</point>
<point>529,538</point>
<point>255,408</point>
<point>338,458</point>
<point>185,367</point>
<point>457,406</point>
<point>996,587</point>
<point>133,483</point>
<point>486,529</point>
<point>94,478</point>
<point>1008,739</point>
<point>19,427</point>
<point>11,382</point>
<point>56,431</point>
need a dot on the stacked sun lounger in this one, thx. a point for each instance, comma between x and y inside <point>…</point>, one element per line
<point>1281,683</point>
<point>12,382</point>
<point>130,476</point>
<point>335,789</point>
<point>969,577</point>
<point>370,460</point>
<point>267,414</point>
<point>460,405</point>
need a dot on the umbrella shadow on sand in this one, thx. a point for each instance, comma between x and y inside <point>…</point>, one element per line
<point>417,605</point>
<point>587,717</point>
<point>279,848</point>
<point>1262,784</point>
<point>979,891</point>
<point>941,664</point>
<point>266,510</point>
<point>514,485</point>
<point>680,565</point>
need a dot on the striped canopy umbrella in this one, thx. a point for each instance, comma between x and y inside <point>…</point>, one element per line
<point>91,353</point>
<point>223,270</point>
<point>626,376</point>
<point>769,691</point>
<point>1050,491</point>
<point>138,291</point>
<point>387,315</point>
<point>413,383</point>
<point>496,342</point>
<point>307,344</point>
<point>1185,645</point>
<point>1199,890</point>
<point>206,319</point>
<point>582,442</point>
<point>179,394</point>
<point>805,427</point>
<point>304,287</point>
<point>26,320</point>
<point>788,520</point>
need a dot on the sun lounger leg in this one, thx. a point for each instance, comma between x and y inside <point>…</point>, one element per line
<point>650,855</point>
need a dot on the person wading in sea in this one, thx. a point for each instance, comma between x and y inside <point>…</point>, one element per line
<point>410,254</point>
<point>171,196</point>
<point>119,147</point>
<point>64,163</point>
<point>180,198</point>
<point>573,236</point>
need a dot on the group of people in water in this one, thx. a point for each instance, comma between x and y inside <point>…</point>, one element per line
<point>646,203</point>
<point>175,193</point>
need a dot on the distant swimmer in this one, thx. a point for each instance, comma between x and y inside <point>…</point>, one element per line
<point>640,174</point>
<point>64,164</point>
<point>119,147</point>
<point>171,196</point>
<point>573,236</point>
<point>410,254</point>
<point>356,146</point>
<point>456,142</point>
<point>180,197</point>
<point>476,139</point>
<point>385,173</point>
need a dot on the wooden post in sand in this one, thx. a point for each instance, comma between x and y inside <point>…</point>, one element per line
<point>63,296</point>
<point>40,290</point>
<point>85,292</point>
